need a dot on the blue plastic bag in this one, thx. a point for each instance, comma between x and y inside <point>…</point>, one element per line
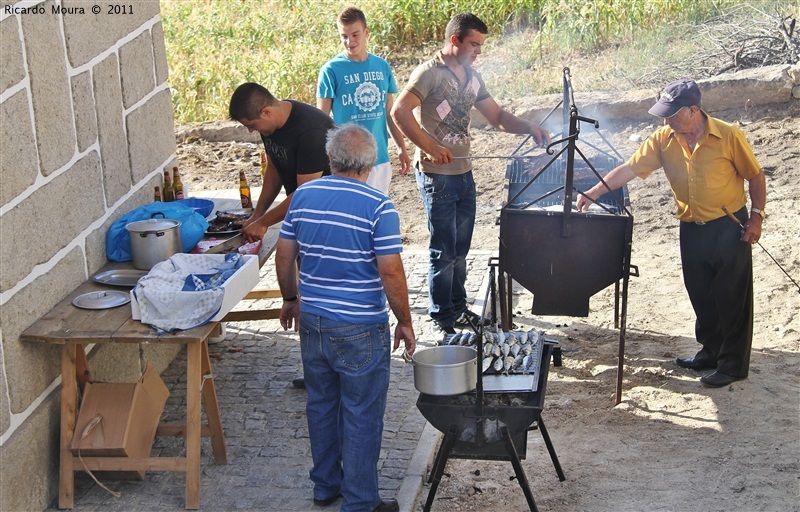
<point>118,240</point>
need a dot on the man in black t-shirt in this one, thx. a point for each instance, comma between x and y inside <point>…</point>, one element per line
<point>294,139</point>
<point>294,136</point>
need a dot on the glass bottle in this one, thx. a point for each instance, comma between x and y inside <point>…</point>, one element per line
<point>263,166</point>
<point>244,191</point>
<point>177,184</point>
<point>168,194</point>
<point>157,195</point>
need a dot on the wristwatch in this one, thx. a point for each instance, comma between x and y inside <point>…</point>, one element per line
<point>760,212</point>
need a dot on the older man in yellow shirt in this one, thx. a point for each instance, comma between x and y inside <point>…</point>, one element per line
<point>707,162</point>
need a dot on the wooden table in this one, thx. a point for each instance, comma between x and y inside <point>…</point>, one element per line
<point>72,327</point>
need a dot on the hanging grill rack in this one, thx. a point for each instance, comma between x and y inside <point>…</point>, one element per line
<point>562,256</point>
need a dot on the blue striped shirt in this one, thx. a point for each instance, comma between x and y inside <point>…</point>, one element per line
<point>341,225</point>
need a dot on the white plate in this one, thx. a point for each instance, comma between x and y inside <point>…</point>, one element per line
<point>101,300</point>
<point>120,277</point>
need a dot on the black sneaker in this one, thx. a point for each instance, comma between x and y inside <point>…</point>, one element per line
<point>439,331</point>
<point>470,319</point>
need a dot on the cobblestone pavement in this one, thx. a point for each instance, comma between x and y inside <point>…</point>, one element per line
<point>263,417</point>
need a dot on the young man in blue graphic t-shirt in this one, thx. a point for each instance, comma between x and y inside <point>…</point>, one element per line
<point>358,87</point>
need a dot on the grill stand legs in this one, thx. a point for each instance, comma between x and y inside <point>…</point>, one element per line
<point>438,465</point>
<point>521,478</point>
<point>449,441</point>
<point>550,449</point>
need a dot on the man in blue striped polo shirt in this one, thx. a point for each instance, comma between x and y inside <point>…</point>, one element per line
<point>347,235</point>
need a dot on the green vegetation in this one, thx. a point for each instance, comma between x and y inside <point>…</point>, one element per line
<point>215,45</point>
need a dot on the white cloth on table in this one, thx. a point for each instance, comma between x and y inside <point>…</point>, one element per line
<point>184,291</point>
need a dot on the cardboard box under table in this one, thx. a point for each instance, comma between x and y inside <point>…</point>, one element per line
<point>120,420</point>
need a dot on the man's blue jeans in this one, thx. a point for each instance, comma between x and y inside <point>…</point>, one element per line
<point>346,370</point>
<point>450,206</point>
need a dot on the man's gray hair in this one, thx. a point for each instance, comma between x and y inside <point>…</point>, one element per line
<point>351,148</point>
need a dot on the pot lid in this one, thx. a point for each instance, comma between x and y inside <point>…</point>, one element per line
<point>152,225</point>
<point>101,300</point>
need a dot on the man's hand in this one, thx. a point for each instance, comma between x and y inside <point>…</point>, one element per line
<point>405,162</point>
<point>252,230</point>
<point>583,201</point>
<point>439,155</point>
<point>405,332</point>
<point>290,315</point>
<point>540,135</point>
<point>752,229</point>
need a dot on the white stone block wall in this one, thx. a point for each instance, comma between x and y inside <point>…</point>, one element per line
<point>86,130</point>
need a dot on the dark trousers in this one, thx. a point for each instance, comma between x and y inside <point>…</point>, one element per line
<point>718,274</point>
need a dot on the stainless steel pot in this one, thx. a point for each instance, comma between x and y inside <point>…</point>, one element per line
<point>154,240</point>
<point>445,370</point>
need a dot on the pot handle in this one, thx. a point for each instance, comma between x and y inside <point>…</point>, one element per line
<point>153,216</point>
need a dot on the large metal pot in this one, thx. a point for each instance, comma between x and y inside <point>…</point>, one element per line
<point>154,240</point>
<point>445,370</point>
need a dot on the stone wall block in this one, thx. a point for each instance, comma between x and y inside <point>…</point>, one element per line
<point>12,70</point>
<point>18,161</point>
<point>88,35</point>
<point>50,93</point>
<point>30,460</point>
<point>65,207</point>
<point>151,135</point>
<point>95,245</point>
<point>5,407</point>
<point>137,70</point>
<point>116,362</point>
<point>751,87</point>
<point>161,355</point>
<point>31,367</point>
<point>113,144</point>
<point>160,53</point>
<point>83,104</point>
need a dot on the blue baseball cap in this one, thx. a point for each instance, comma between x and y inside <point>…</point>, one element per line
<point>676,95</point>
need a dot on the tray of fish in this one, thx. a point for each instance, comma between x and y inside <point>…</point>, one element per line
<point>504,353</point>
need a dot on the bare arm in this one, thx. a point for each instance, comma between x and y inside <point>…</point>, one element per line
<point>325,104</point>
<point>508,122</point>
<point>403,116</point>
<point>286,268</point>
<point>397,137</point>
<point>270,189</point>
<point>390,270</point>
<point>615,179</point>
<point>254,229</point>
<point>757,187</point>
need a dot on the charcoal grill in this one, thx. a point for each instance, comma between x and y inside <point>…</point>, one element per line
<point>491,424</point>
<point>561,255</point>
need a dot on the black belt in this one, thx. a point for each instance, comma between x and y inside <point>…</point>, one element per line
<point>703,223</point>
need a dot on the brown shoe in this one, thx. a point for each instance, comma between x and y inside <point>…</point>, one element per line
<point>387,505</point>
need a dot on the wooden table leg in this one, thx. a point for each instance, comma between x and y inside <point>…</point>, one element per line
<point>69,398</point>
<point>193,385</point>
<point>82,372</point>
<point>212,410</point>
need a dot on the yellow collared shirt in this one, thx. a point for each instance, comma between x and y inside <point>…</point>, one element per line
<point>704,181</point>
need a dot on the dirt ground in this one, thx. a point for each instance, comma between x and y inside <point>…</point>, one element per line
<point>671,444</point>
